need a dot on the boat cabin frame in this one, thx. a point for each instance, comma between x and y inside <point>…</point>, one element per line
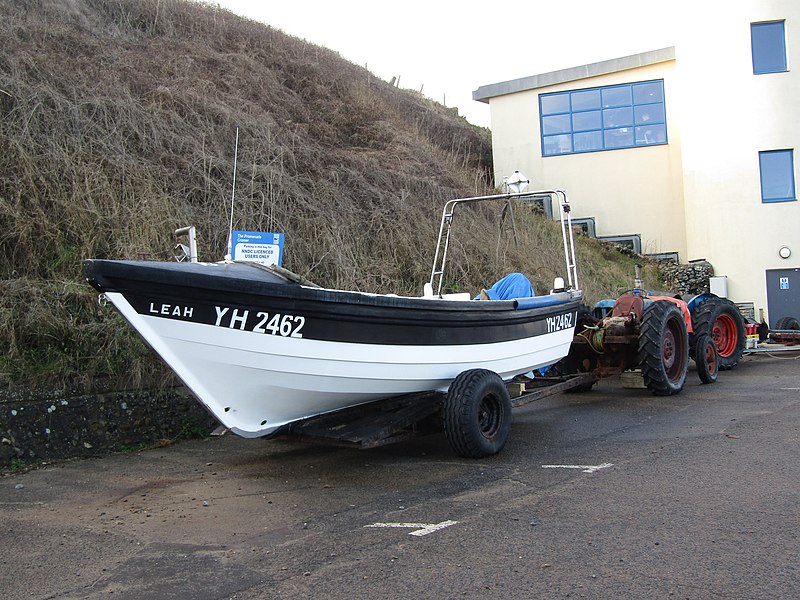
<point>446,227</point>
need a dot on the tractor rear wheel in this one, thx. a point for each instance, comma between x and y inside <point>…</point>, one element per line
<point>663,348</point>
<point>721,320</point>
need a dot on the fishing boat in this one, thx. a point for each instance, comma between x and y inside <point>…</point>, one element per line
<point>262,348</point>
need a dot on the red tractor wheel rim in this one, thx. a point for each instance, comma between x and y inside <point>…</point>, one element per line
<point>668,350</point>
<point>711,358</point>
<point>724,334</point>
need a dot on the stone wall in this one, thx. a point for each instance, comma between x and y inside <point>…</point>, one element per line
<point>42,425</point>
<point>691,279</point>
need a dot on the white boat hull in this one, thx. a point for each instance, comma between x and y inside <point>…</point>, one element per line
<point>256,384</point>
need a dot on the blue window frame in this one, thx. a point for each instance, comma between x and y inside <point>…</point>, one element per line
<point>777,175</point>
<point>769,47</point>
<point>603,118</point>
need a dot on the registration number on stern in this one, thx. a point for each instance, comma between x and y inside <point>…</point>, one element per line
<point>559,322</point>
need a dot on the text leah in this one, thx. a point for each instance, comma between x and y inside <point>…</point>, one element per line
<point>171,310</point>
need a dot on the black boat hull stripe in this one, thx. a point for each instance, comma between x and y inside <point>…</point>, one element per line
<point>239,296</point>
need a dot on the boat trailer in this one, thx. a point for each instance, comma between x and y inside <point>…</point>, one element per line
<point>403,418</point>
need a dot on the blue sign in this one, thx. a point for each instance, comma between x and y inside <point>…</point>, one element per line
<point>784,283</point>
<point>257,246</point>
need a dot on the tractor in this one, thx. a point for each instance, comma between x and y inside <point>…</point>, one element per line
<point>658,335</point>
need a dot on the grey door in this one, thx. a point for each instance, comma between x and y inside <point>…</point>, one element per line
<point>783,294</point>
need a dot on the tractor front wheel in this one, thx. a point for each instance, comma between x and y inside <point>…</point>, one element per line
<point>582,363</point>
<point>705,356</point>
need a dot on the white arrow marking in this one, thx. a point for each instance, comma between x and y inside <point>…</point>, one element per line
<point>583,468</point>
<point>422,528</point>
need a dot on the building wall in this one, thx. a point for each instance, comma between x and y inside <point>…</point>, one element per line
<point>728,116</point>
<point>627,191</point>
<point>699,195</point>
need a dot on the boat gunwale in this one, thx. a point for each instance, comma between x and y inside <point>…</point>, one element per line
<point>123,276</point>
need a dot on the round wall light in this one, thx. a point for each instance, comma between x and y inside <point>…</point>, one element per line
<point>785,252</point>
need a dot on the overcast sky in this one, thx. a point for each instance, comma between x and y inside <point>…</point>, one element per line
<point>448,48</point>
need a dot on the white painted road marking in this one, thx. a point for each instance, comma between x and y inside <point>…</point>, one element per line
<point>422,528</point>
<point>583,468</point>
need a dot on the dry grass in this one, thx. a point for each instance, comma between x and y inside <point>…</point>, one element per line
<point>117,121</point>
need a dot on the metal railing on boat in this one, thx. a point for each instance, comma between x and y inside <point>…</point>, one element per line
<point>445,229</point>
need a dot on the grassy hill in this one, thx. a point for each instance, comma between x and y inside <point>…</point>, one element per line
<point>117,123</point>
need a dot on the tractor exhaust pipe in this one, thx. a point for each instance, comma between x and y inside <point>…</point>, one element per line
<point>638,282</point>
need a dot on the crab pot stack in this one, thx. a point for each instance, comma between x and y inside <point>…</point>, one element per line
<point>687,279</point>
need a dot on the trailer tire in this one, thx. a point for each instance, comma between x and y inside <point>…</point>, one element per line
<point>722,322</point>
<point>663,348</point>
<point>705,356</point>
<point>788,323</point>
<point>477,414</point>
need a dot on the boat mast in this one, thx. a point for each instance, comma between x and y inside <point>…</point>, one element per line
<point>229,256</point>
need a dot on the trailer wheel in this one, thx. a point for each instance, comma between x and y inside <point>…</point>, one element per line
<point>477,414</point>
<point>705,356</point>
<point>788,323</point>
<point>663,348</point>
<point>721,320</point>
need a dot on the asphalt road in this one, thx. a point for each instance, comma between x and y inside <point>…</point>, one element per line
<point>700,501</point>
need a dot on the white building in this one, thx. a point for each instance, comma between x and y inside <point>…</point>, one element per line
<point>687,149</point>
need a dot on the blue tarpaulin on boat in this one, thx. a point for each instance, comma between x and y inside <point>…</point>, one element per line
<point>510,287</point>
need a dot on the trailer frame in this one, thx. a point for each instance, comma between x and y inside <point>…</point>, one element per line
<point>401,418</point>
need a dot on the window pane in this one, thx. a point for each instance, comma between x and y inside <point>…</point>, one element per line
<point>586,100</point>
<point>777,175</point>
<point>769,47</point>
<point>557,144</point>
<point>555,124</point>
<point>651,134</point>
<point>617,96</point>
<point>618,138</point>
<point>649,113</point>
<point>618,117</point>
<point>603,118</point>
<point>586,142</point>
<point>644,93</point>
<point>555,103</point>
<point>586,120</point>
